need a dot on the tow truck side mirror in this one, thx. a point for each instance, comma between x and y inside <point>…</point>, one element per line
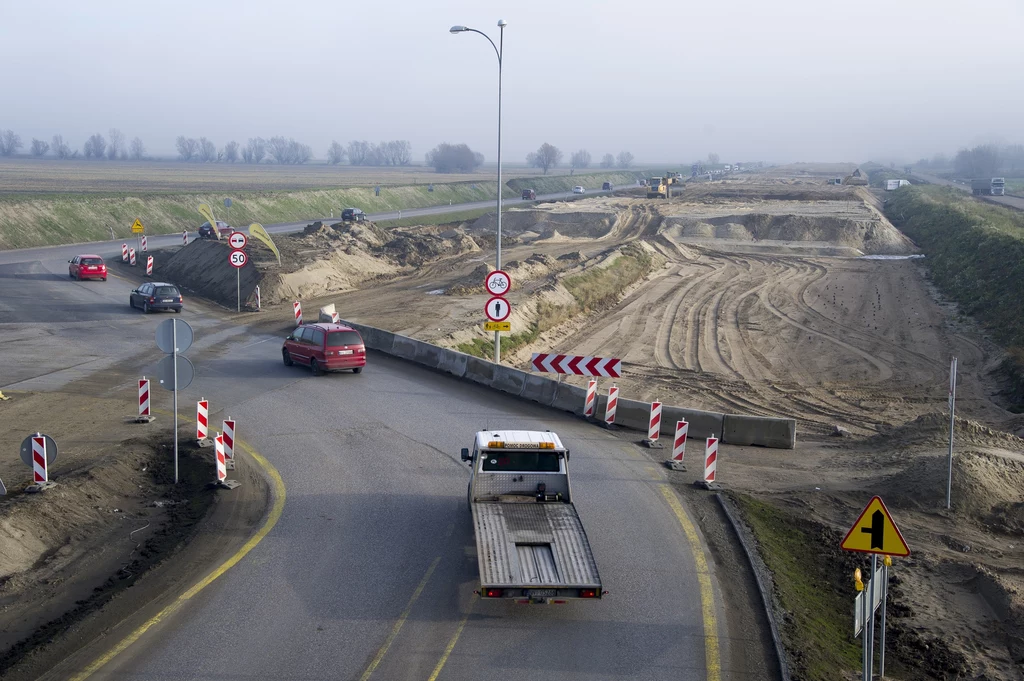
<point>465,454</point>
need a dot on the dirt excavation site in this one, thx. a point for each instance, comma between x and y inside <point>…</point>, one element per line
<point>762,296</point>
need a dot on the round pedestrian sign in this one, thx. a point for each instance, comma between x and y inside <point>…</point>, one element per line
<point>498,283</point>
<point>237,240</point>
<point>497,309</point>
<point>238,258</point>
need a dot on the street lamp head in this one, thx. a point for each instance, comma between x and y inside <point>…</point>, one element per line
<point>502,23</point>
<point>456,29</point>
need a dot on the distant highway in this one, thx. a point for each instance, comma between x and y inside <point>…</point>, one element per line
<point>1009,201</point>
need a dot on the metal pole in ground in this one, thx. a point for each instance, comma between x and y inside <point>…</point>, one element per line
<point>871,618</point>
<point>174,358</point>
<point>885,598</point>
<point>952,412</point>
<point>238,289</point>
<point>864,664</point>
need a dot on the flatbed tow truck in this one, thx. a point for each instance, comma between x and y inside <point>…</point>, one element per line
<point>531,545</point>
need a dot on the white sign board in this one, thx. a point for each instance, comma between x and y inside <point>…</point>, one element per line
<point>498,283</point>
<point>237,240</point>
<point>497,309</point>
<point>862,597</point>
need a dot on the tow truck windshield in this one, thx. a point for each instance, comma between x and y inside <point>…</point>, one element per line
<point>520,461</point>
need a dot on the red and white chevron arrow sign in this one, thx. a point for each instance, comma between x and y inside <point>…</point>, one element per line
<point>576,364</point>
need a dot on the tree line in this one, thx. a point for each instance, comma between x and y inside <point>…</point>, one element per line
<point>984,160</point>
<point>96,147</point>
<point>549,156</point>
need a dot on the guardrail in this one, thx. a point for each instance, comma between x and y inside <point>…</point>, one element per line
<point>779,433</point>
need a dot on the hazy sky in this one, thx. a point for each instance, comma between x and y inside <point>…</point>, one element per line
<point>782,80</point>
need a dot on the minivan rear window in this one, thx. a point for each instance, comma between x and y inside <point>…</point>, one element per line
<point>336,338</point>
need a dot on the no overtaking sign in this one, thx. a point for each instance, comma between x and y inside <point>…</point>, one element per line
<point>237,240</point>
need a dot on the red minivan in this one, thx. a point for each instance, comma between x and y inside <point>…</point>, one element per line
<point>325,347</point>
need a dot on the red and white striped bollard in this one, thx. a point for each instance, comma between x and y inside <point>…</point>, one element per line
<point>149,266</point>
<point>40,474</point>
<point>131,256</point>
<point>228,437</point>
<point>590,404</point>
<point>143,396</point>
<point>203,419</point>
<point>145,244</point>
<point>297,306</point>
<point>335,318</point>
<point>222,466</point>
<point>612,405</point>
<point>184,238</point>
<point>679,447</point>
<point>124,252</point>
<point>654,425</point>
<point>710,459</point>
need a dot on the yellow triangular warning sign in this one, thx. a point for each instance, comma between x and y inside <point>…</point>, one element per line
<point>875,532</point>
<point>137,226</point>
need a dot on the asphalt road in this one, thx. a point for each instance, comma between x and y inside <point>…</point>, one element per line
<point>1010,201</point>
<point>369,572</point>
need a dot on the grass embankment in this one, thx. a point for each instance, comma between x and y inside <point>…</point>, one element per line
<point>975,255</point>
<point>1015,187</point>
<point>597,289</point>
<point>438,219</point>
<point>76,218</point>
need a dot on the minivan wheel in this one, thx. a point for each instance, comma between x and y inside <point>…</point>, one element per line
<point>286,357</point>
<point>357,370</point>
<point>314,366</point>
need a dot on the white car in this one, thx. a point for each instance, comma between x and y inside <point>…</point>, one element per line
<point>578,190</point>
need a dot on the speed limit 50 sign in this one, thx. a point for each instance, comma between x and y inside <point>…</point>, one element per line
<point>238,258</point>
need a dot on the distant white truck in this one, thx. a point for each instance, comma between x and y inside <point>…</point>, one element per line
<point>893,185</point>
<point>530,543</point>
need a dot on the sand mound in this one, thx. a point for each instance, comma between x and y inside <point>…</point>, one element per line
<point>933,429</point>
<point>547,223</point>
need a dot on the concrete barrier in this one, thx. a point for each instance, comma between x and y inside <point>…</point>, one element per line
<point>759,430</point>
<point>733,429</point>
<point>509,380</point>
<point>703,424</point>
<point>539,389</point>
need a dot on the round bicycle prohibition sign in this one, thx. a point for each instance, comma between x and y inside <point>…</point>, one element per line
<point>238,258</point>
<point>237,240</point>
<point>498,283</point>
<point>497,309</point>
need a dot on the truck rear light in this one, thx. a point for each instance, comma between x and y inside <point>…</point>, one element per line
<point>495,593</point>
<point>588,593</point>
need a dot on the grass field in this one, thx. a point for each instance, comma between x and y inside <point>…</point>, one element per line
<point>21,177</point>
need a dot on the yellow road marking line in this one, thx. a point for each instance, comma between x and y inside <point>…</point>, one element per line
<point>400,623</point>
<point>272,518</point>
<point>712,659</point>
<point>451,644</point>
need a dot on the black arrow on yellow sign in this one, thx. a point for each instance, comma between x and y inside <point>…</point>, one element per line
<point>876,530</point>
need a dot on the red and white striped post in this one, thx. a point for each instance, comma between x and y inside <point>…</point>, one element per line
<point>710,459</point>
<point>39,472</point>
<point>335,318</point>
<point>124,252</point>
<point>149,266</point>
<point>590,404</point>
<point>145,244</point>
<point>612,405</point>
<point>228,438</point>
<point>654,426</point>
<point>222,466</point>
<point>184,238</point>
<point>131,256</point>
<point>144,396</point>
<point>679,444</point>
<point>297,306</point>
<point>258,306</point>
<point>203,419</point>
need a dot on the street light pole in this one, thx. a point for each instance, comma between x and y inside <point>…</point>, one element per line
<point>498,49</point>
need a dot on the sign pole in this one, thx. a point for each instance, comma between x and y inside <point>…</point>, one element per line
<point>238,290</point>
<point>174,356</point>
<point>871,618</point>
<point>864,664</point>
<point>952,411</point>
<point>885,597</point>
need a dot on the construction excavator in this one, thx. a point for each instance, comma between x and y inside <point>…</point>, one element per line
<point>661,187</point>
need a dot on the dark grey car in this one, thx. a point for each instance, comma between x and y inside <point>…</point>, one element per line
<point>156,295</point>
